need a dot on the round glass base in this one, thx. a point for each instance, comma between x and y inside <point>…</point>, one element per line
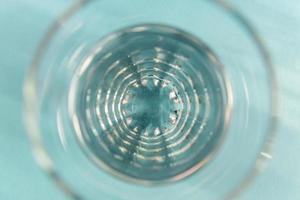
<point>151,102</point>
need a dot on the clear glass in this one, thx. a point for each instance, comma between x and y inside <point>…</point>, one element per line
<point>129,99</point>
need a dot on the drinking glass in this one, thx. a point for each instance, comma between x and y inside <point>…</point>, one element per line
<point>151,100</point>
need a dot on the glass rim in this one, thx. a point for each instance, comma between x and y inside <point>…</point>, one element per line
<point>30,95</point>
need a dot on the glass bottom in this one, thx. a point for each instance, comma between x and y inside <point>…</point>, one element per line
<point>151,103</point>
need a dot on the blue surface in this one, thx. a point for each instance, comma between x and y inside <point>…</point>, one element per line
<point>22,24</point>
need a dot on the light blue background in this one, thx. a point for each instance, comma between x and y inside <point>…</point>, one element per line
<point>22,24</point>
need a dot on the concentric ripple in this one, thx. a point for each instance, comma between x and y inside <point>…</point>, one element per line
<point>150,100</point>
